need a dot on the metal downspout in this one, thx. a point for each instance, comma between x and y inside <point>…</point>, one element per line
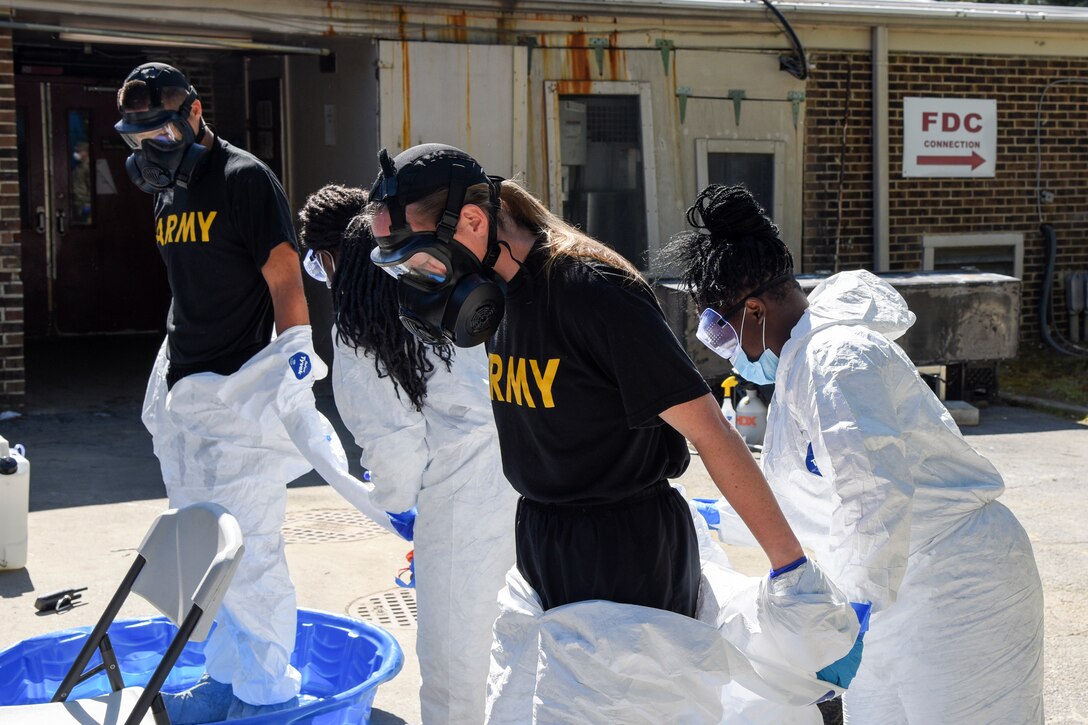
<point>287,134</point>
<point>881,233</point>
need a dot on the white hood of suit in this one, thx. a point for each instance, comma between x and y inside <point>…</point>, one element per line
<point>856,298</point>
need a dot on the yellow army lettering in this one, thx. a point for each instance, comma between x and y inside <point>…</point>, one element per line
<point>183,227</point>
<point>518,389</point>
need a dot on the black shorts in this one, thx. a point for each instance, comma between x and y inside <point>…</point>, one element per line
<point>640,550</point>
<point>226,365</point>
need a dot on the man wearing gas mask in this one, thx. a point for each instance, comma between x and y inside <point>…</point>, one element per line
<point>231,411</point>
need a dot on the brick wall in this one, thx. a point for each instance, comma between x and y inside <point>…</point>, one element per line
<point>838,219</point>
<point>840,92</point>
<point>12,370</point>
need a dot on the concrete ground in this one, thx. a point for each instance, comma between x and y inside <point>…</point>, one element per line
<point>95,487</point>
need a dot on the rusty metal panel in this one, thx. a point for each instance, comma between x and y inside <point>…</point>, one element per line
<point>962,316</point>
<point>459,94</point>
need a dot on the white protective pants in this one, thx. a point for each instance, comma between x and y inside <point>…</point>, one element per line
<point>603,662</point>
<point>238,440</point>
<point>941,654</point>
<point>464,545</point>
<point>444,460</point>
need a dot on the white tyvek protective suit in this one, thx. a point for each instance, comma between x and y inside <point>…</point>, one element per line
<point>902,512</point>
<point>602,662</point>
<point>238,440</point>
<point>445,461</point>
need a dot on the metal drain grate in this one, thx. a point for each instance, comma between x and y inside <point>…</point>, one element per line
<point>392,608</point>
<point>318,526</point>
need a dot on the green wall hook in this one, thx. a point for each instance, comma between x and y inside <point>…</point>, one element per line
<point>682,94</point>
<point>599,45</point>
<point>737,95</point>
<point>666,47</point>
<point>796,98</point>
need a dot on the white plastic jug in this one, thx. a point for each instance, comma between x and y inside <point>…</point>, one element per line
<point>14,507</point>
<point>752,417</point>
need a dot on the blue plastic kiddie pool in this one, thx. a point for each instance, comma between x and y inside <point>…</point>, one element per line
<point>342,662</point>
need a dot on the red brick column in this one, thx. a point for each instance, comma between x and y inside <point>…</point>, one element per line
<point>12,370</point>
<point>838,164</point>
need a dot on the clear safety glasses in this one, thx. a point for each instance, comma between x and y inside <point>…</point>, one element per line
<point>717,334</point>
<point>169,132</point>
<point>321,265</point>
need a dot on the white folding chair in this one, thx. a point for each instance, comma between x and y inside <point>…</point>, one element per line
<point>183,568</point>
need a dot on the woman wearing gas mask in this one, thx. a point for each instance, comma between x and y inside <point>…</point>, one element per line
<point>593,397</point>
<point>423,419</point>
<point>874,476</point>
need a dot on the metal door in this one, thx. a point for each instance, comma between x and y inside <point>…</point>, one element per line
<point>89,258</point>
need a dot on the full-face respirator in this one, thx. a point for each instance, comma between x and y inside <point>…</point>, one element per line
<point>445,293</point>
<point>165,148</point>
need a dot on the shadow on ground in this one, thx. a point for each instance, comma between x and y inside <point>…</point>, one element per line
<point>381,717</point>
<point>1007,420</point>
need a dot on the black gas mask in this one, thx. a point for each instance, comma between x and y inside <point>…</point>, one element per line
<point>445,293</point>
<point>165,149</point>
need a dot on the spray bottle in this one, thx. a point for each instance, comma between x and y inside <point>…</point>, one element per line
<point>752,417</point>
<point>727,399</point>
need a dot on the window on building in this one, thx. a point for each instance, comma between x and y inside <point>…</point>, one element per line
<point>602,170</point>
<point>759,165</point>
<point>80,168</point>
<point>755,171</point>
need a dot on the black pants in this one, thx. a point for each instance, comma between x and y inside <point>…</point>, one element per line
<point>226,365</point>
<point>831,711</point>
<point>641,550</point>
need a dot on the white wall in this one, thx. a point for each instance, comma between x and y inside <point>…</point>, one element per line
<point>468,96</point>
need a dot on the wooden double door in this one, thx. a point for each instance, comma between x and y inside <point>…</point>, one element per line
<point>90,264</point>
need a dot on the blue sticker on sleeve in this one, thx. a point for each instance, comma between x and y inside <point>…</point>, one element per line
<point>810,462</point>
<point>300,364</point>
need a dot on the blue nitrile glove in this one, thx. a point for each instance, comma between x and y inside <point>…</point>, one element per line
<point>404,523</point>
<point>708,507</point>
<point>789,567</point>
<point>863,610</point>
<point>841,672</point>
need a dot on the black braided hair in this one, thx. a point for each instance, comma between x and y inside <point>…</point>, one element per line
<point>326,214</point>
<point>364,296</point>
<point>739,250</point>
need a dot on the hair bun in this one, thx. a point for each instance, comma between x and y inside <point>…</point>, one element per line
<point>729,213</point>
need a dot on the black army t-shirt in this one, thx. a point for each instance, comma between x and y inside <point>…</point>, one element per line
<point>579,369</point>
<point>214,238</point>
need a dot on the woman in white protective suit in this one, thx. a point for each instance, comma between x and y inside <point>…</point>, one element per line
<point>592,396</point>
<point>423,419</point>
<point>875,477</point>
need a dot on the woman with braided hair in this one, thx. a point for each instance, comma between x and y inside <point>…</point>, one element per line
<point>874,476</point>
<point>423,419</point>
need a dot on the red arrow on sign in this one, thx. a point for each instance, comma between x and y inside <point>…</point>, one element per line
<point>974,160</point>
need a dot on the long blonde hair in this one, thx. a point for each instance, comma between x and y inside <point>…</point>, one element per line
<point>561,239</point>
